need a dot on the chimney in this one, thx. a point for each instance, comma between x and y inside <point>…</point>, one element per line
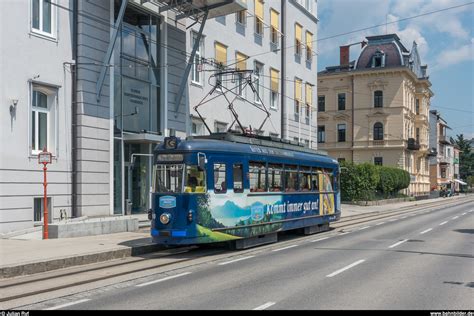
<point>344,55</point>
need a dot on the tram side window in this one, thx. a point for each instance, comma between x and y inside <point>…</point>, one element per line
<point>327,181</point>
<point>315,180</point>
<point>275,178</point>
<point>304,179</point>
<point>220,181</point>
<point>238,172</point>
<point>257,177</point>
<point>291,179</point>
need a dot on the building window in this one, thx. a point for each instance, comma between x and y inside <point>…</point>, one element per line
<point>378,131</point>
<point>258,82</point>
<point>341,160</point>
<point>298,39</point>
<point>196,74</point>
<point>378,99</point>
<point>221,60</point>
<point>43,17</point>
<point>241,65</point>
<point>378,161</point>
<point>309,46</point>
<point>197,127</point>
<point>341,101</point>
<point>417,136</point>
<point>298,98</point>
<point>378,59</point>
<point>241,17</point>
<point>259,17</point>
<point>417,106</point>
<point>274,88</point>
<point>321,103</point>
<point>341,132</point>
<point>38,210</point>
<point>220,127</point>
<point>275,27</point>
<point>309,100</point>
<point>321,134</point>
<point>43,119</point>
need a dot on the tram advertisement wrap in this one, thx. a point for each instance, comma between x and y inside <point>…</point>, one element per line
<point>242,215</point>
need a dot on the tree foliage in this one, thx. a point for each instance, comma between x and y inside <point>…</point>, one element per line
<point>466,157</point>
<point>361,182</point>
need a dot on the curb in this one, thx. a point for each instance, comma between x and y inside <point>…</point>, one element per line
<point>60,263</point>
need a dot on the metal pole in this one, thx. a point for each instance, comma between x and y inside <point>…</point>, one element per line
<point>45,203</point>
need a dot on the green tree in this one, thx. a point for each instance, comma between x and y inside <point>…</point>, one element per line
<point>466,157</point>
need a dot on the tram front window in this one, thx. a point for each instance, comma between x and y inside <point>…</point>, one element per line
<point>168,178</point>
<point>178,179</point>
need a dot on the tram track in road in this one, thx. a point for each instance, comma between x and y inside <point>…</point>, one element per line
<point>97,274</point>
<point>34,285</point>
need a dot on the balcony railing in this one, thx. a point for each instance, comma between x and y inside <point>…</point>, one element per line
<point>443,139</point>
<point>412,144</point>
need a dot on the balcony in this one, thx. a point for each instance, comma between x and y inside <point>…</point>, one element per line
<point>412,144</point>
<point>443,139</point>
<point>421,119</point>
<point>444,160</point>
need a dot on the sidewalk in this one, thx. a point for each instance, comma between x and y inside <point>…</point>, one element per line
<point>29,256</point>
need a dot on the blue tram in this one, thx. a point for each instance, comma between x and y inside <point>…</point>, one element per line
<point>226,187</point>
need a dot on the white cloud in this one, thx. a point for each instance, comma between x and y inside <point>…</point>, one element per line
<point>455,55</point>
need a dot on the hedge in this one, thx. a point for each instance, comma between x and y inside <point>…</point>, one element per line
<point>361,182</point>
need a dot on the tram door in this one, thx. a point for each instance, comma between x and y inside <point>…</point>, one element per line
<point>137,178</point>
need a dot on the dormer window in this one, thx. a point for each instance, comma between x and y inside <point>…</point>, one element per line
<point>378,60</point>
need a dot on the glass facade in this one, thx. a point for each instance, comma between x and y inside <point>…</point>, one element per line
<point>136,106</point>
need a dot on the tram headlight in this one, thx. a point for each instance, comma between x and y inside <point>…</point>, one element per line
<point>190,215</point>
<point>165,218</point>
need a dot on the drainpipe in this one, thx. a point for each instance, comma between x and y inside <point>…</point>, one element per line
<point>74,203</point>
<point>283,68</point>
<point>353,114</point>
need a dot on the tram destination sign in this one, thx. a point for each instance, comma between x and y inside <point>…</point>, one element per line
<point>169,158</point>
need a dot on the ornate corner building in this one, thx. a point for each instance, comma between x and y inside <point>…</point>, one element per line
<point>376,109</point>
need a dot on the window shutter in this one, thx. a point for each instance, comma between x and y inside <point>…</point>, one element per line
<point>298,86</point>
<point>274,74</point>
<point>221,53</point>
<point>275,19</point>
<point>309,94</point>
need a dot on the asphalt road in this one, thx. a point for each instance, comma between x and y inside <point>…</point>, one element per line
<point>423,260</point>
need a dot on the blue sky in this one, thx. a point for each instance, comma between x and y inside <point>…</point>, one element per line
<point>445,42</point>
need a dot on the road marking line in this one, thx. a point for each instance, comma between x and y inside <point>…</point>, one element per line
<point>393,220</point>
<point>164,279</point>
<point>464,213</point>
<point>425,231</point>
<point>404,217</point>
<point>380,224</point>
<point>345,268</point>
<point>66,305</point>
<point>455,217</point>
<point>443,223</point>
<point>284,248</point>
<point>398,243</point>
<point>264,306</point>
<point>344,233</point>
<point>236,260</point>
<point>364,227</point>
<point>319,239</point>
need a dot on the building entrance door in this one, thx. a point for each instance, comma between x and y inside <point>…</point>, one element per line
<point>137,176</point>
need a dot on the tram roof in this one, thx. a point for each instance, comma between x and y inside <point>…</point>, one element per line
<point>235,143</point>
